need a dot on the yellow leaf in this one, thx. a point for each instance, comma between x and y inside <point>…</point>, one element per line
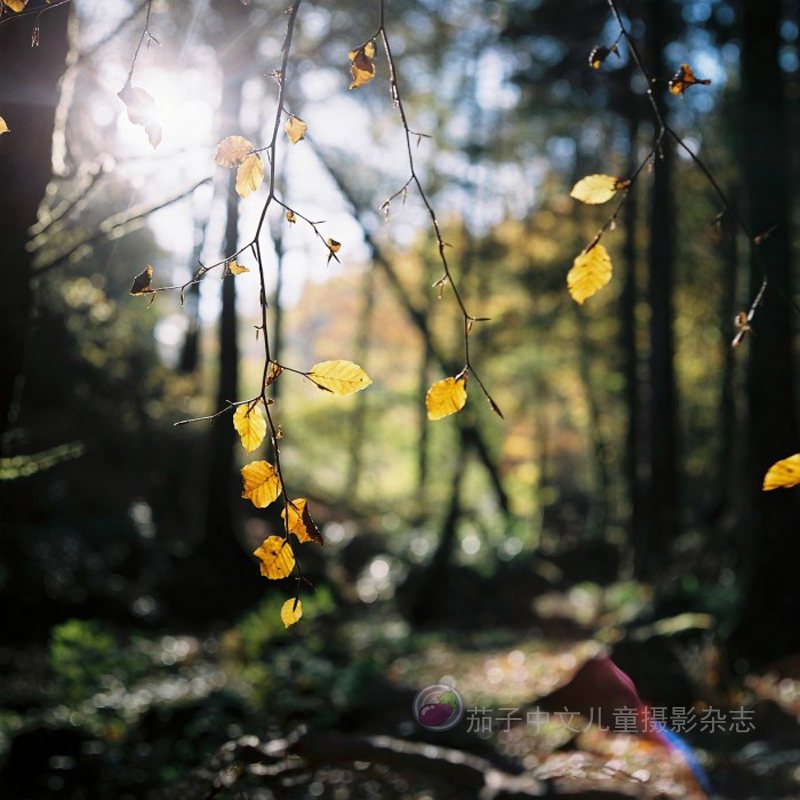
<point>250,425</point>
<point>291,216</point>
<point>141,283</point>
<point>590,272</point>
<point>594,189</point>
<point>250,175</point>
<point>300,522</point>
<point>262,485</point>
<point>446,397</point>
<point>16,5</point>
<point>232,150</point>
<point>277,558</point>
<point>684,78</point>
<point>334,246</point>
<point>339,377</point>
<point>291,611</point>
<point>783,474</point>
<point>295,129</point>
<point>234,268</point>
<point>362,69</point>
<point>3,126</point>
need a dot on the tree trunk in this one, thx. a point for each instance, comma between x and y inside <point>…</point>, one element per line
<point>634,487</point>
<point>28,98</point>
<point>769,624</point>
<point>663,483</point>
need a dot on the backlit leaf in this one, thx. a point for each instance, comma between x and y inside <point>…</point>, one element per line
<point>3,126</point>
<point>590,272</point>
<point>362,69</point>
<point>595,189</point>
<point>250,425</point>
<point>300,522</point>
<point>262,485</point>
<point>16,5</point>
<point>277,558</point>
<point>295,129</point>
<point>291,611</point>
<point>235,268</point>
<point>783,474</point>
<point>232,150</point>
<point>684,78</point>
<point>446,397</point>
<point>291,216</point>
<point>141,109</point>
<point>250,175</point>
<point>339,377</point>
<point>141,283</point>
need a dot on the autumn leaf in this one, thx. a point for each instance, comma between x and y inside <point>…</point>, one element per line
<point>233,267</point>
<point>334,246</point>
<point>232,150</point>
<point>339,377</point>
<point>142,111</point>
<point>3,126</point>
<point>250,175</point>
<point>250,425</point>
<point>291,216</point>
<point>277,558</point>
<point>446,397</point>
<point>262,484</point>
<point>16,5</point>
<point>295,129</point>
<point>291,611</point>
<point>300,522</point>
<point>590,272</point>
<point>273,373</point>
<point>363,67</point>
<point>595,189</point>
<point>684,78</point>
<point>600,53</point>
<point>783,474</point>
<point>141,283</point>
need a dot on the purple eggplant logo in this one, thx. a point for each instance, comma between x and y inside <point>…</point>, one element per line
<point>438,707</point>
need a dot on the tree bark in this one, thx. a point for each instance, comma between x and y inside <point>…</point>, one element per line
<point>769,624</point>
<point>663,480</point>
<point>29,93</point>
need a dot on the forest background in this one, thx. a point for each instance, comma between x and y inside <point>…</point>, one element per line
<point>619,502</point>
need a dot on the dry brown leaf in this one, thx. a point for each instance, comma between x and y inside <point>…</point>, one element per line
<point>141,283</point>
<point>300,522</point>
<point>362,68</point>
<point>684,78</point>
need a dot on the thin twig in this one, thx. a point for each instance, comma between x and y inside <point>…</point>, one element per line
<point>663,129</point>
<point>447,277</point>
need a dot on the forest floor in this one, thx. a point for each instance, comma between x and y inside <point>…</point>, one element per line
<point>325,709</point>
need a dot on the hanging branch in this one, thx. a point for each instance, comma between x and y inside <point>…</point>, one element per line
<point>264,482</point>
<point>678,84</point>
<point>454,391</point>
